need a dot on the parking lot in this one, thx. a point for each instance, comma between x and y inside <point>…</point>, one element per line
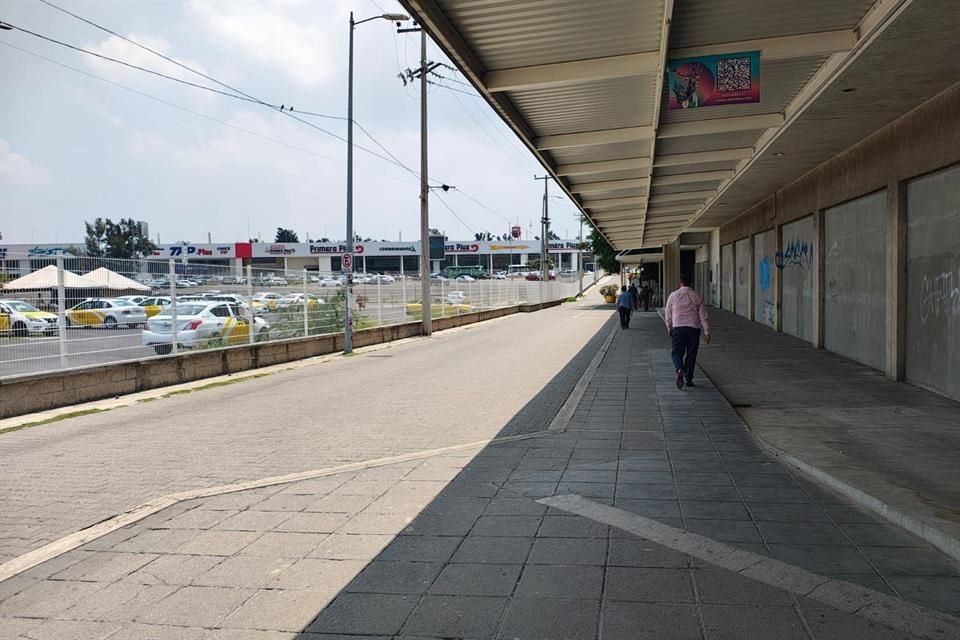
<point>373,305</point>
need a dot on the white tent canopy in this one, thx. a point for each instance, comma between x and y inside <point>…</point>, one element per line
<point>46,278</point>
<point>104,277</point>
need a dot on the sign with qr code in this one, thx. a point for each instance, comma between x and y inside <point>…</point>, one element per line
<point>710,81</point>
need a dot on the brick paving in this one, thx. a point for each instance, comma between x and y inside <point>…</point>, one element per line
<point>458,387</point>
<point>455,546</point>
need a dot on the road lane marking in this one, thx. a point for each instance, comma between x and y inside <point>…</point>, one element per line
<point>843,596</point>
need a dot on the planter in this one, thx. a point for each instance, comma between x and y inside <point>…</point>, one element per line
<point>610,299</point>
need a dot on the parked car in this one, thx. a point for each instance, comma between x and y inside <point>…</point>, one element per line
<point>465,278</point>
<point>153,306</point>
<point>134,299</point>
<point>269,299</point>
<point>21,319</point>
<point>437,308</point>
<point>297,300</point>
<point>108,313</point>
<point>380,278</point>
<point>456,297</point>
<point>328,281</point>
<point>201,324</point>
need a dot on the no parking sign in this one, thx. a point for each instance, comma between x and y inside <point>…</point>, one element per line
<point>347,261</point>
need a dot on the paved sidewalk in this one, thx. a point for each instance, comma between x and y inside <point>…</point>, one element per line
<point>457,546</point>
<point>68,475</point>
<point>893,441</point>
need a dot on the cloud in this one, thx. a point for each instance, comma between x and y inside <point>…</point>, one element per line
<point>18,170</point>
<point>259,31</point>
<point>115,47</point>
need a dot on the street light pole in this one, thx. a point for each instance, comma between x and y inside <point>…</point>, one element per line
<point>544,230</point>
<point>346,262</point>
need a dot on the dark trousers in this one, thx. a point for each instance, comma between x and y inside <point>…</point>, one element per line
<point>624,317</point>
<point>686,343</point>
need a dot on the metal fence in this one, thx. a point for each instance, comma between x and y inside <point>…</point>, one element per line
<point>70,311</point>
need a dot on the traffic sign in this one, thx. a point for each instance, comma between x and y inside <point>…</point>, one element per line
<point>347,261</point>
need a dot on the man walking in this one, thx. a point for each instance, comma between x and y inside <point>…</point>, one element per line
<point>685,315</point>
<point>625,307</point>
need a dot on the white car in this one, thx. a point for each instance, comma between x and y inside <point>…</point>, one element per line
<point>296,299</point>
<point>134,299</point>
<point>202,324</point>
<point>22,319</point>
<point>456,297</point>
<point>380,279</point>
<point>108,313</point>
<point>465,278</point>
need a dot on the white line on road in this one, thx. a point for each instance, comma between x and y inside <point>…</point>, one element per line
<point>843,596</point>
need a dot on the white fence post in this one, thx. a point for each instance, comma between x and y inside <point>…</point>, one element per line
<point>61,313</point>
<point>174,347</point>
<point>379,304</point>
<point>251,316</point>
<point>306,315</point>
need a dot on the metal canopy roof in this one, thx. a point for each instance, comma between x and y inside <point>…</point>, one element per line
<point>580,83</point>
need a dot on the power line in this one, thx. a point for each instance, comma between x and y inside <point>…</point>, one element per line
<point>192,112</point>
<point>444,203</point>
<point>454,89</point>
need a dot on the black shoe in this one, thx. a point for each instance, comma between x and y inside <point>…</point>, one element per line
<point>679,379</point>
<point>690,383</point>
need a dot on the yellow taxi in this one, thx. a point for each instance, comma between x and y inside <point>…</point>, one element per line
<point>22,319</point>
<point>153,306</point>
<point>438,309</point>
<point>108,313</point>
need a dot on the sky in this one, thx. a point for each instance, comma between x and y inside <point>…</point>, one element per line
<point>74,147</point>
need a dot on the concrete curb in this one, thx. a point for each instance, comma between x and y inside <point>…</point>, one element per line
<point>569,407</point>
<point>936,537</point>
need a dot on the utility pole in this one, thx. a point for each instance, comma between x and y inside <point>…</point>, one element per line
<point>544,229</point>
<point>422,73</point>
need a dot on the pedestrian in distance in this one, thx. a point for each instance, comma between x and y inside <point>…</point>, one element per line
<point>645,294</point>
<point>685,316</point>
<point>634,296</point>
<point>625,307</point>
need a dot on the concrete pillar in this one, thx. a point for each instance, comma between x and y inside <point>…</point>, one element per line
<point>671,268</point>
<point>238,267</point>
<point>752,287</point>
<point>819,251</point>
<point>896,280</point>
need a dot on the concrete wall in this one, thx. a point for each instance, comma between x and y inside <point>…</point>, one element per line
<point>854,309</point>
<point>727,277</point>
<point>765,266</point>
<point>714,297</point>
<point>796,306</point>
<point>933,282</point>
<point>28,394</point>
<point>744,273</point>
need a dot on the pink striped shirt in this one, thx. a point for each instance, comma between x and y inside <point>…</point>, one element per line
<point>685,308</point>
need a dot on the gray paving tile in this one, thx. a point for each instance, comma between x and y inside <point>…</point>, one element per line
<point>105,566</point>
<point>707,492</point>
<point>879,535</point>
<point>694,477</point>
<point>514,507</point>
<point>559,581</point>
<point>396,577</point>
<point>276,544</point>
<point>639,621</point>
<point>173,569</point>
<point>646,491</point>
<point>421,549</point>
<point>644,584</point>
<point>196,518</point>
<point>343,546</point>
<point>823,559</point>
<point>580,551</point>
<point>937,592</point>
<point>506,526</point>
<point>253,520</point>
<point>789,512</point>
<point>364,614</point>
<point>720,586</point>
<point>824,533</point>
<point>278,610</point>
<point>636,552</point>
<point>244,571</point>
<point>313,522</point>
<point>140,631</point>
<point>218,543</point>
<point>709,510</point>
<point>587,489</point>
<point>47,598</point>
<point>656,509</point>
<point>906,561</point>
<point>773,494</point>
<point>477,580</point>
<point>752,623</point>
<point>196,606</point>
<point>490,550</point>
<point>545,619</point>
<point>73,629</point>
<point>724,530</point>
<point>439,525</point>
<point>557,526</point>
<point>456,617</point>
<point>318,574</point>
<point>828,624</point>
<point>645,477</point>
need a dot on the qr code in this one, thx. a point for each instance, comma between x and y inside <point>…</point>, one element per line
<point>733,74</point>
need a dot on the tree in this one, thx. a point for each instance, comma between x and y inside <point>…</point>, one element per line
<point>123,239</point>
<point>552,236</point>
<point>286,235</point>
<point>534,263</point>
<point>604,255</point>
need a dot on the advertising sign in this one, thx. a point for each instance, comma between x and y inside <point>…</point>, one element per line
<point>709,81</point>
<point>515,232</point>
